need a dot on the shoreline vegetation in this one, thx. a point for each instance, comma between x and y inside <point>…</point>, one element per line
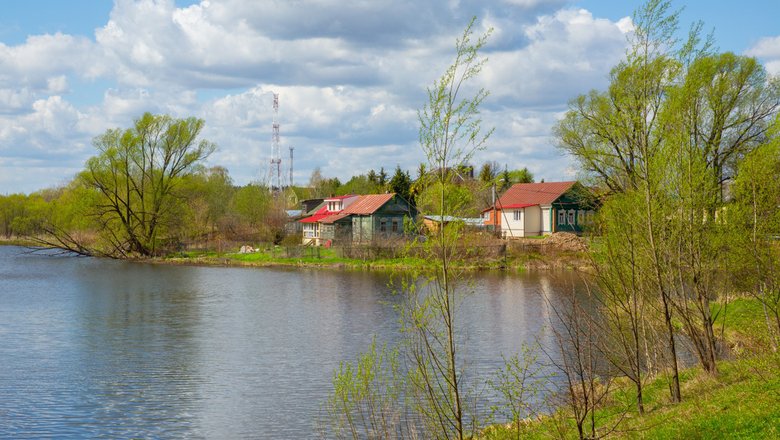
<point>543,253</point>
<point>743,401</point>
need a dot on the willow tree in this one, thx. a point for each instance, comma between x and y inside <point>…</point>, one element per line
<point>756,218</point>
<point>137,175</point>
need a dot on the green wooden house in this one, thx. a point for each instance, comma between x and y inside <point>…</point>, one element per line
<point>368,218</point>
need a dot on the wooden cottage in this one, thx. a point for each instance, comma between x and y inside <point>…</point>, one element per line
<point>362,220</point>
<point>533,209</point>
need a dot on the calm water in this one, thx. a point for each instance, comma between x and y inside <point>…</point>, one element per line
<point>97,348</point>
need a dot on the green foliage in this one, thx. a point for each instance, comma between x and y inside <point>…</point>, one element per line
<point>323,186</point>
<point>251,203</point>
<point>359,184</point>
<point>458,200</point>
<point>521,176</point>
<point>518,384</point>
<point>138,175</point>
<point>401,184</point>
<point>366,400</point>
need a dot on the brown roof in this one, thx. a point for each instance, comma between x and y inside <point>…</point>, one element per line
<point>529,194</point>
<point>368,204</point>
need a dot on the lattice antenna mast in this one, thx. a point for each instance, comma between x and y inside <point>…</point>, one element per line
<point>275,169</point>
<point>291,165</point>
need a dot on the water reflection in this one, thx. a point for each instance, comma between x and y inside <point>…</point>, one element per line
<point>96,348</point>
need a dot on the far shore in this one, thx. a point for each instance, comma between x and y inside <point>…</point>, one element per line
<point>516,262</point>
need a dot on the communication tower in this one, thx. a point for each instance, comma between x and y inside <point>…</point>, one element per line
<point>275,169</point>
<point>291,165</point>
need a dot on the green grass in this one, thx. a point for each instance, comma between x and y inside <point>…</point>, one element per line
<point>743,401</point>
<point>277,256</point>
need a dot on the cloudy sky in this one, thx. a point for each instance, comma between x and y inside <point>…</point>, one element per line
<point>351,75</point>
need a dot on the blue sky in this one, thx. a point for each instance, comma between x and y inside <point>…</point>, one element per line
<point>350,75</point>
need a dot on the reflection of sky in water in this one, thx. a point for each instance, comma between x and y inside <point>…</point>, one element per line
<point>96,348</point>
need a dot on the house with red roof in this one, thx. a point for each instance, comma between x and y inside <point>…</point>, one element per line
<point>532,209</point>
<point>312,228</point>
<point>362,220</point>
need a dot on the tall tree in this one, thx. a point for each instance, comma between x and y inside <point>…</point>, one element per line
<point>724,105</point>
<point>450,133</point>
<point>137,174</point>
<point>617,137</point>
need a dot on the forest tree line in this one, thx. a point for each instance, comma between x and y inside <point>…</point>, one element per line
<point>147,192</point>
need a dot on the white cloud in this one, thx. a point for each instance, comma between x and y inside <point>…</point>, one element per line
<point>568,53</point>
<point>768,50</point>
<point>351,77</point>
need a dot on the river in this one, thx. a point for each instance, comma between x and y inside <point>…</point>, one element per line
<point>93,348</point>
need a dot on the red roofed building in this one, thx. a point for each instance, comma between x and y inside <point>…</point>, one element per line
<point>312,227</point>
<point>364,219</point>
<point>532,209</point>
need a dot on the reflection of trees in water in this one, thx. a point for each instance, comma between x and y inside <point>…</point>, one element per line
<point>139,325</point>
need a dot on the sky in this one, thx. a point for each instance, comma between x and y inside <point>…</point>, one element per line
<point>350,74</point>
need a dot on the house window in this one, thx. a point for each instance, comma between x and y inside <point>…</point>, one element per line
<point>561,217</point>
<point>395,225</point>
<point>518,215</point>
<point>571,217</point>
<point>383,225</point>
<point>580,217</point>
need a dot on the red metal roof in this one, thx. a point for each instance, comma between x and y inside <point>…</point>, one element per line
<point>364,205</point>
<point>522,195</point>
<point>319,215</point>
<point>368,204</point>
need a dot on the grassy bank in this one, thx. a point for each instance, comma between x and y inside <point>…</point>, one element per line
<point>17,242</point>
<point>743,401</point>
<point>332,258</point>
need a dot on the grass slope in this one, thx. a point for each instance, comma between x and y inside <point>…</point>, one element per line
<point>743,401</point>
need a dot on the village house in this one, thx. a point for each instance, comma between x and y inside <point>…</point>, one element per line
<point>357,219</point>
<point>533,209</point>
<point>312,228</point>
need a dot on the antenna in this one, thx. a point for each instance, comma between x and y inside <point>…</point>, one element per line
<point>275,169</point>
<point>291,165</point>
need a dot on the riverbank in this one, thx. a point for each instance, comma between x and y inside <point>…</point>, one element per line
<point>743,401</point>
<point>323,258</point>
<point>557,252</point>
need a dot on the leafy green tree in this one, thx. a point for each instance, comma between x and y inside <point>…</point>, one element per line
<point>322,186</point>
<point>360,184</point>
<point>755,217</point>
<point>458,200</point>
<point>252,203</point>
<point>521,176</point>
<point>138,174</point>
<point>450,133</point>
<point>724,105</point>
<point>625,140</point>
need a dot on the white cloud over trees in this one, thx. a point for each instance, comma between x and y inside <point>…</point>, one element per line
<point>351,75</point>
